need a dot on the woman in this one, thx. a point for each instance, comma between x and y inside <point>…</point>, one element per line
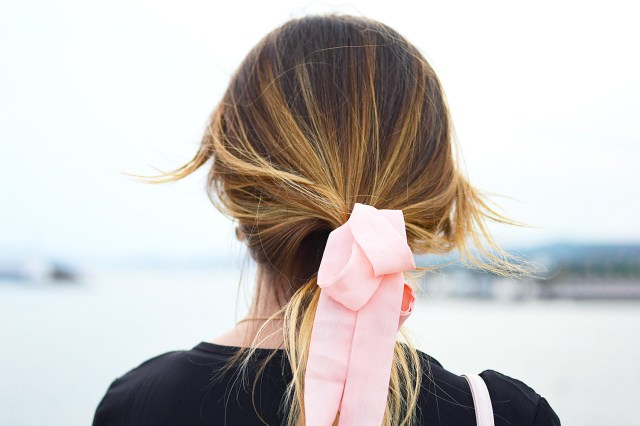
<point>328,116</point>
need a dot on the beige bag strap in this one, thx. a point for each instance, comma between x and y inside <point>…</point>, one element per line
<point>481,400</point>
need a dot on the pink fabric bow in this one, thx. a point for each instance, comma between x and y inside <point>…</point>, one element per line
<point>363,302</point>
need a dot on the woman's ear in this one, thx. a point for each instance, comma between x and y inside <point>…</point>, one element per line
<point>239,234</point>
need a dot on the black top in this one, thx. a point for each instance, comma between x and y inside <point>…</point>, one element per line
<point>175,388</point>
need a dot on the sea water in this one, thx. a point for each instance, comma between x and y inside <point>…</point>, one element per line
<point>61,345</point>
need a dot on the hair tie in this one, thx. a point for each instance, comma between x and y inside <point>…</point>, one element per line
<point>363,302</point>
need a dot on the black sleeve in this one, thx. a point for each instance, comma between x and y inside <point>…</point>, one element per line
<point>545,416</point>
<point>515,402</point>
<point>111,410</point>
<point>117,404</point>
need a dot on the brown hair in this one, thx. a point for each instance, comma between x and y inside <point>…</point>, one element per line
<point>326,111</point>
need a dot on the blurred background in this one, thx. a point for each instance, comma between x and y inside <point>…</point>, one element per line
<point>99,273</point>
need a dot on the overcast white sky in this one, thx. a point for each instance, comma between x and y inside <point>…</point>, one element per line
<point>545,97</point>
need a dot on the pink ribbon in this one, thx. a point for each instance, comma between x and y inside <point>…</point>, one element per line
<point>363,302</point>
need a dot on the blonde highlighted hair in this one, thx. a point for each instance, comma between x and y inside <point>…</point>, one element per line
<point>326,111</point>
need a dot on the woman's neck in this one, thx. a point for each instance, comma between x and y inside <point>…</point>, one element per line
<point>264,304</point>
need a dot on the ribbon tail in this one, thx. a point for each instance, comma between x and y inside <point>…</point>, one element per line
<point>328,360</point>
<point>370,362</point>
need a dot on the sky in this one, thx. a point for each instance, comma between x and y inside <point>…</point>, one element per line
<point>544,96</point>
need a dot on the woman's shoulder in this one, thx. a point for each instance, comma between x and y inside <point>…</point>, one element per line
<point>119,400</point>
<point>446,398</point>
<point>175,387</point>
<point>506,390</point>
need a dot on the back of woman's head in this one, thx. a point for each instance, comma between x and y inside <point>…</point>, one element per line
<point>325,112</point>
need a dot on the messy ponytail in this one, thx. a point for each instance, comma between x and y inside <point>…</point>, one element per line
<point>325,112</point>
